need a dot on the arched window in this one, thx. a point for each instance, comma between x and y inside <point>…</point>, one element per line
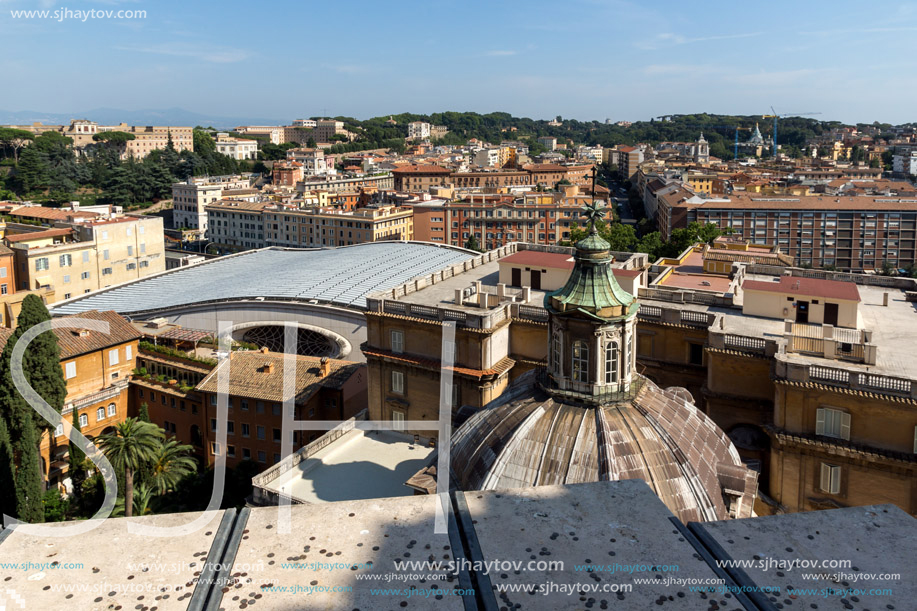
<point>611,362</point>
<point>580,361</point>
<point>84,420</point>
<point>112,410</point>
<point>556,355</point>
<point>100,414</point>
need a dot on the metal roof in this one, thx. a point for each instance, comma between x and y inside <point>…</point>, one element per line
<point>343,276</point>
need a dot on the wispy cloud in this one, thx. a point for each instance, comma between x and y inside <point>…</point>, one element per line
<point>501,53</point>
<point>346,68</point>
<point>668,39</point>
<point>847,31</point>
<point>214,55</point>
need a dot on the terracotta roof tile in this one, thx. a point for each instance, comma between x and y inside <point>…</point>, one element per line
<point>74,341</point>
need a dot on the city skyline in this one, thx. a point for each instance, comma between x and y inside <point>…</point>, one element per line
<point>589,61</point>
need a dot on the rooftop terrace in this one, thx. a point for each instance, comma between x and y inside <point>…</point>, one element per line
<point>246,559</point>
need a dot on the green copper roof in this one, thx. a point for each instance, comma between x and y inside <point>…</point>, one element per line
<point>591,288</point>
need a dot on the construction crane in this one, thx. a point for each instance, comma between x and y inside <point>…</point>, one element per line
<point>775,116</point>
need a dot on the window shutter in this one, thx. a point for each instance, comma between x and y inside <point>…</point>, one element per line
<point>820,421</point>
<point>835,480</point>
<point>845,426</point>
<point>915,440</point>
<point>825,478</point>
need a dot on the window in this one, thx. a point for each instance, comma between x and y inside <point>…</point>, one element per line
<point>59,430</point>
<point>397,342</point>
<point>244,403</point>
<point>695,353</point>
<point>259,407</point>
<point>398,382</point>
<point>128,352</point>
<point>112,410</point>
<point>3,289</point>
<point>398,420</point>
<point>84,276</point>
<point>86,257</point>
<point>230,451</point>
<point>66,260</point>
<point>276,435</point>
<point>557,351</point>
<point>41,264</point>
<point>106,271</point>
<point>246,454</point>
<point>246,431</point>
<point>130,251</point>
<point>70,370</point>
<point>105,254</point>
<point>832,423</point>
<point>580,361</point>
<point>84,420</point>
<point>213,424</point>
<point>611,362</point>
<point>214,448</point>
<point>830,479</point>
<point>262,456</point>
<point>113,357</point>
<point>260,432</point>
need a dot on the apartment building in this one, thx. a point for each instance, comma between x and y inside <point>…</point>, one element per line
<point>420,177</point>
<point>314,162</point>
<point>236,224</point>
<point>537,218</point>
<point>97,369</point>
<point>549,142</point>
<point>274,133</point>
<point>629,158</point>
<point>325,389</point>
<point>325,129</point>
<point>418,130</point>
<point>189,198</point>
<point>850,233</point>
<point>325,227</point>
<point>90,255</point>
<point>236,148</point>
<point>346,183</point>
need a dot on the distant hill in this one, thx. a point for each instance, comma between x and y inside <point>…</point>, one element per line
<point>110,116</point>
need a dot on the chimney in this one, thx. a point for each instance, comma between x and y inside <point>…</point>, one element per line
<point>324,367</point>
<point>268,368</point>
<point>264,350</point>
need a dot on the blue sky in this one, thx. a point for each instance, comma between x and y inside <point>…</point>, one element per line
<point>588,59</point>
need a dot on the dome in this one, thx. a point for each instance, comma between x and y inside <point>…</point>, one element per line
<point>531,437</point>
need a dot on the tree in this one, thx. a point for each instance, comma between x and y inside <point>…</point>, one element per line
<point>77,470</point>
<point>311,143</point>
<point>144,415</point>
<point>170,464</point>
<point>129,447</point>
<point>14,139</point>
<point>42,370</point>
<point>472,243</point>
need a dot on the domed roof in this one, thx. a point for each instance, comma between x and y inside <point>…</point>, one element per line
<point>528,437</point>
<point>591,288</point>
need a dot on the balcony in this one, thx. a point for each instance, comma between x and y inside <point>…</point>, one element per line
<point>830,342</point>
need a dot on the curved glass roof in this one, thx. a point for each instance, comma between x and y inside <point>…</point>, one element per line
<point>343,276</point>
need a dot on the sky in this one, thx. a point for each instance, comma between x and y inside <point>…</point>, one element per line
<point>583,59</point>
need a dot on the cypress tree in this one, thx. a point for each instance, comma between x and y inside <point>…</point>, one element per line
<point>41,366</point>
<point>7,468</point>
<point>77,469</point>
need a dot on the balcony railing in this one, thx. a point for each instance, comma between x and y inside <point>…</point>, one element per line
<point>583,392</point>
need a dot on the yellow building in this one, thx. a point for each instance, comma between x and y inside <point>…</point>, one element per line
<point>88,256</point>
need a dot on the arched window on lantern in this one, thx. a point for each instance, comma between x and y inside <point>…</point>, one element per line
<point>580,361</point>
<point>611,362</point>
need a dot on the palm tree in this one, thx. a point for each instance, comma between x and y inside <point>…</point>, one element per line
<point>170,464</point>
<point>143,497</point>
<point>132,444</point>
